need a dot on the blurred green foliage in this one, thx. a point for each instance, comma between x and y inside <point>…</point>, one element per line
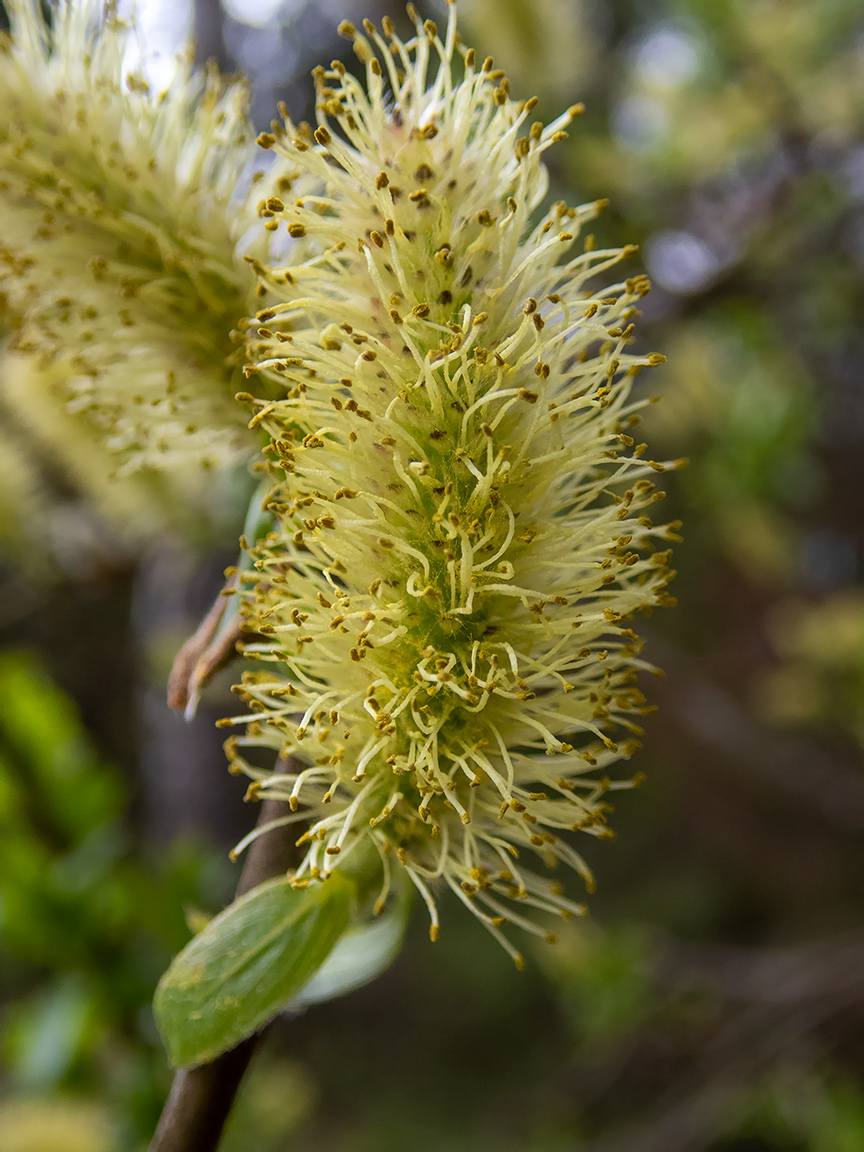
<point>820,677</point>
<point>87,924</point>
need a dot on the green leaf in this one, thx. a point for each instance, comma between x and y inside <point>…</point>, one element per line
<point>362,954</point>
<point>247,964</point>
<point>54,779</point>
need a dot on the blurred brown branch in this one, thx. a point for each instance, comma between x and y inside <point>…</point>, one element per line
<point>201,1098</point>
<point>797,764</point>
<point>775,1002</point>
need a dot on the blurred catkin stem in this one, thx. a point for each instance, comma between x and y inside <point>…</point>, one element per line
<point>201,1098</point>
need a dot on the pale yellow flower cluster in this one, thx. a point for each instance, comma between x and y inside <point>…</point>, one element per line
<point>60,510</point>
<point>461,531</point>
<point>118,233</point>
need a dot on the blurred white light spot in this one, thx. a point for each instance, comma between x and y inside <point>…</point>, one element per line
<point>681,262</point>
<point>853,173</point>
<point>164,29</point>
<point>336,10</point>
<point>667,58</point>
<point>263,53</point>
<point>259,13</point>
<point>640,122</point>
<point>828,559</point>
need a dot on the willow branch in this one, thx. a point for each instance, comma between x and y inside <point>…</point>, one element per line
<point>201,1098</point>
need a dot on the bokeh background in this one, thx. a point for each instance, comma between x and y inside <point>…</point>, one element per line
<point>714,1001</point>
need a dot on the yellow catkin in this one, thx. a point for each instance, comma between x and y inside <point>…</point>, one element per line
<point>118,231</point>
<point>460,531</point>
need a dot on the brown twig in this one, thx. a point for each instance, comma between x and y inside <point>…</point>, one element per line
<point>201,1097</point>
<point>211,648</point>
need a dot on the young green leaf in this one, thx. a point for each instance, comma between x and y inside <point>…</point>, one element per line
<point>247,964</point>
<point>361,955</point>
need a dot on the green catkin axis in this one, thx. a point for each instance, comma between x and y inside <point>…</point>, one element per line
<point>461,531</point>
